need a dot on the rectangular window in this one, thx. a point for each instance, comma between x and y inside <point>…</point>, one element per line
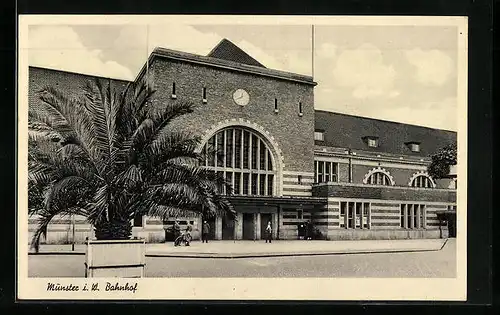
<point>262,184</point>
<point>299,179</point>
<point>245,183</point>
<point>254,184</point>
<point>403,216</point>
<point>246,146</point>
<point>359,218</point>
<point>354,215</point>
<point>269,161</point>
<point>270,185</point>
<point>204,92</point>
<point>300,109</point>
<point>366,215</point>
<point>254,151</point>
<point>138,220</point>
<point>229,180</point>
<point>220,149</point>
<point>211,152</point>
<point>262,156</point>
<point>343,209</point>
<point>412,216</point>
<point>229,148</point>
<point>321,168</point>
<point>335,169</point>
<point>372,143</point>
<point>276,105</point>
<point>237,183</point>
<point>173,91</point>
<point>415,147</point>
<point>300,214</point>
<point>327,171</point>
<point>350,215</point>
<point>237,148</point>
<point>319,136</point>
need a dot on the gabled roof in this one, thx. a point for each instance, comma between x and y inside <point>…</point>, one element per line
<point>208,61</point>
<point>347,131</point>
<point>226,50</point>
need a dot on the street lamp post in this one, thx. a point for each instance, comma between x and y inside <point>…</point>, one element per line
<point>73,232</point>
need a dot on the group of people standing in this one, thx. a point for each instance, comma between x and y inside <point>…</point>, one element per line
<point>187,235</point>
<point>205,232</point>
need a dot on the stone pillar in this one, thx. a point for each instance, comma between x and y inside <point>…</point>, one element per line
<point>218,228</point>
<point>239,226</point>
<point>257,226</point>
<point>279,216</point>
<point>275,225</point>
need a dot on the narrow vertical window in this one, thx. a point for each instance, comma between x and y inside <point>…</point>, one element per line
<point>300,109</point>
<point>350,215</point>
<point>299,179</point>
<point>366,215</point>
<point>275,105</point>
<point>204,95</point>
<point>343,209</point>
<point>174,95</point>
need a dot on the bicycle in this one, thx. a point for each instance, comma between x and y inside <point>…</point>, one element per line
<point>184,238</point>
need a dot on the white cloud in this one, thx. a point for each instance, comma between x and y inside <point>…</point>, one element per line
<point>363,70</point>
<point>436,114</point>
<point>433,66</point>
<point>201,43</point>
<point>290,61</point>
<point>59,47</point>
<point>327,51</point>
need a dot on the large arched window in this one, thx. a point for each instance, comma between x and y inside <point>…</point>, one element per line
<point>422,181</point>
<point>244,159</point>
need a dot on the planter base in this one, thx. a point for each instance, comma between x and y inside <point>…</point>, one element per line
<point>115,258</point>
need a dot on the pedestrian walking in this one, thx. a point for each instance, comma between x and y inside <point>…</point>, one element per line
<point>189,228</point>
<point>205,231</point>
<point>269,232</point>
<point>177,231</point>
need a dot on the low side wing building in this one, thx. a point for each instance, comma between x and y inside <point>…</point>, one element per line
<point>350,177</point>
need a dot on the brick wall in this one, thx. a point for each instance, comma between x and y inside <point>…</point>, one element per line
<point>293,134</point>
<point>70,83</point>
<point>341,190</point>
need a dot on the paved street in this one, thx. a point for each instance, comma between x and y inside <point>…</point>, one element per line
<point>440,263</point>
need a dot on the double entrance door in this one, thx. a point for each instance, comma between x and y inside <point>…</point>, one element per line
<point>252,229</point>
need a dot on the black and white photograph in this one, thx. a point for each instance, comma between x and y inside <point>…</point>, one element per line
<point>242,157</point>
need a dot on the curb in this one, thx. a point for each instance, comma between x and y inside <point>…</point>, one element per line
<point>298,254</point>
<point>254,255</point>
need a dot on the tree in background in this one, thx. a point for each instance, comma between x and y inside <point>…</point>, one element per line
<point>442,160</point>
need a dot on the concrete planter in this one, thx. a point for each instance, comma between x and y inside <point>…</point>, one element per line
<point>115,258</point>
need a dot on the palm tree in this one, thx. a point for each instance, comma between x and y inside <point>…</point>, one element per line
<point>110,156</point>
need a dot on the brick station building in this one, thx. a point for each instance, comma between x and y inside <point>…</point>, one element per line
<point>351,177</point>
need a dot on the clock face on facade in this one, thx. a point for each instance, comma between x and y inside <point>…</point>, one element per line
<point>241,97</point>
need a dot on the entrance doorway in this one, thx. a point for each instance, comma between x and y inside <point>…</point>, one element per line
<point>248,226</point>
<point>264,218</point>
<point>452,225</point>
<point>211,224</point>
<point>227,229</point>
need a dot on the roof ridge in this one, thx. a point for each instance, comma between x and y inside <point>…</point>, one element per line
<point>383,120</point>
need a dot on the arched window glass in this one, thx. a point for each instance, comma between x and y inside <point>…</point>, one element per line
<point>379,178</point>
<point>422,181</point>
<point>244,159</point>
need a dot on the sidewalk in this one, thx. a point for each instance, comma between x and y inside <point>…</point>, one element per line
<point>248,249</point>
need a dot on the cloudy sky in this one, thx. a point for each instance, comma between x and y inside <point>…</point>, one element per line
<point>400,73</point>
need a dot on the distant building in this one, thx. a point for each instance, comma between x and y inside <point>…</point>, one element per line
<point>351,177</point>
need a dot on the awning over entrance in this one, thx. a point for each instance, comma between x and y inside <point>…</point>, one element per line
<point>276,201</point>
